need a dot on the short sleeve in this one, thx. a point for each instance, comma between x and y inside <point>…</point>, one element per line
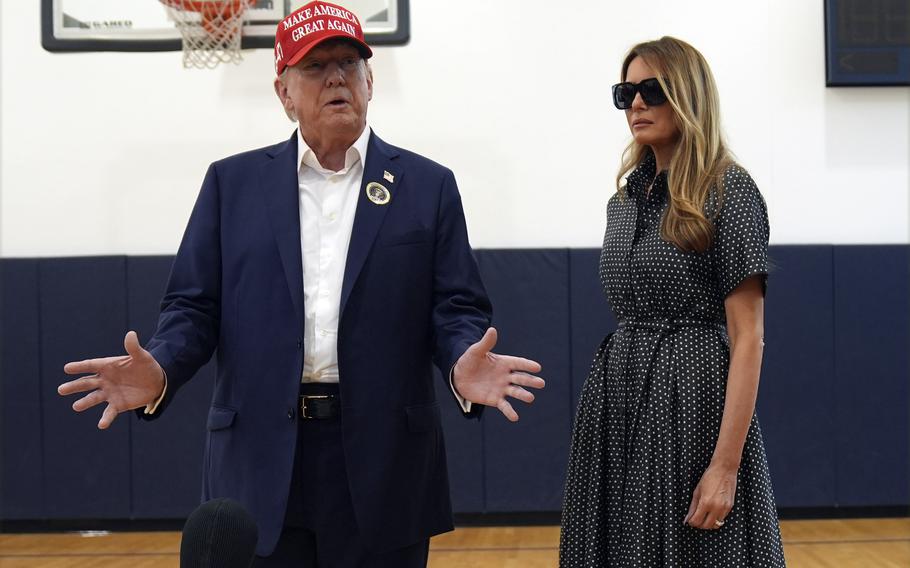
<point>740,232</point>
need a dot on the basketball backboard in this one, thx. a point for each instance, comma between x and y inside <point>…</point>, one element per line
<point>143,25</point>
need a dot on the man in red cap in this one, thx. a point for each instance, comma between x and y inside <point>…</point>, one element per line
<point>328,273</point>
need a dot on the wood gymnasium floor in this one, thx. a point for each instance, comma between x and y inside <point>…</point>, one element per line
<point>842,543</point>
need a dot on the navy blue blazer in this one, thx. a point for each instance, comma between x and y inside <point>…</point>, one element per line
<point>411,297</point>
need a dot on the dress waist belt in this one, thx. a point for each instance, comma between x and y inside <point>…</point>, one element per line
<point>666,326</point>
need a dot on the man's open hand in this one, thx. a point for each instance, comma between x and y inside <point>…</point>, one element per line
<point>124,383</point>
<point>484,377</point>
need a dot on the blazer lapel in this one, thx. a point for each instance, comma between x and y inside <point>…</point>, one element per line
<point>379,167</point>
<point>279,184</point>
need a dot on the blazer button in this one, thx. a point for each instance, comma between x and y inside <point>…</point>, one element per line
<point>291,413</point>
<point>299,344</point>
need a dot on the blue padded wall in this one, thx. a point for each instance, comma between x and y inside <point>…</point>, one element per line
<point>83,315</point>
<point>872,382</point>
<point>525,461</point>
<point>796,394</point>
<point>21,468</point>
<point>833,401</point>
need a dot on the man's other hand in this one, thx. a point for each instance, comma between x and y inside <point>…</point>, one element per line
<point>484,377</point>
<point>130,381</point>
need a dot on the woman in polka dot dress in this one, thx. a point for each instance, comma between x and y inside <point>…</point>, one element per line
<point>667,466</point>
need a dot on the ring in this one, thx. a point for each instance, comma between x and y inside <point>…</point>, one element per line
<point>719,522</point>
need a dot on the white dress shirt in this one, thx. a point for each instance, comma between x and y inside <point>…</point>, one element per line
<point>328,201</point>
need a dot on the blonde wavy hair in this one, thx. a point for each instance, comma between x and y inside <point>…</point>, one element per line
<point>701,157</point>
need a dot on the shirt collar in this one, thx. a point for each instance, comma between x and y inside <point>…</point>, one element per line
<point>357,152</point>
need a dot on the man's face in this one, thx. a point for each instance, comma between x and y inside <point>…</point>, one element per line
<point>328,92</point>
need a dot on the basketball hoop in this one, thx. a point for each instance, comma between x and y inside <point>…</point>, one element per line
<point>211,30</point>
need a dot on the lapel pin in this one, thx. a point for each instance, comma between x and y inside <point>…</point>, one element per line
<point>388,177</point>
<point>377,193</point>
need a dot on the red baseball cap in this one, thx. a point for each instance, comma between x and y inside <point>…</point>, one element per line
<point>311,25</point>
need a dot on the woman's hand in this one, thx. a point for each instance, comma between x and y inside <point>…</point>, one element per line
<point>712,499</point>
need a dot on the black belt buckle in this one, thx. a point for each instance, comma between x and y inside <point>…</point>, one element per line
<point>318,406</point>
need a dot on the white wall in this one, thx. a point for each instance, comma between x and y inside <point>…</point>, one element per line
<point>102,153</point>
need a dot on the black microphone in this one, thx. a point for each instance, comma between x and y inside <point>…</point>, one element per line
<point>219,534</point>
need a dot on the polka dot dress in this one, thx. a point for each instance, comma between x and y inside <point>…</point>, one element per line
<point>650,411</point>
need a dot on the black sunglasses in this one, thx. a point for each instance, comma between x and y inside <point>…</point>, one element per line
<point>651,93</point>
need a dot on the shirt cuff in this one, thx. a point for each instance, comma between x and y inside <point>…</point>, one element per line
<point>465,404</point>
<point>151,407</point>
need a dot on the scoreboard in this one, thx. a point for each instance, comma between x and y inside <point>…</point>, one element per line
<point>867,42</point>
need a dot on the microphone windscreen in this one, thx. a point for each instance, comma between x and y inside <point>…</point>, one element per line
<point>219,534</point>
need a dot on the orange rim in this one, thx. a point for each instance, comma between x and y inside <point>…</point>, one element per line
<point>213,13</point>
<point>210,10</point>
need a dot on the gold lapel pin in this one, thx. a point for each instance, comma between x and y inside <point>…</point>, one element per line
<point>388,176</point>
<point>377,193</point>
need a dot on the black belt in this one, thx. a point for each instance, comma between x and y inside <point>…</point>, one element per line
<point>319,401</point>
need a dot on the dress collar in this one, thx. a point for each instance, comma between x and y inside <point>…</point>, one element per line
<point>642,176</point>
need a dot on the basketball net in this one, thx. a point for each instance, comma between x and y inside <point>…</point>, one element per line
<point>211,30</point>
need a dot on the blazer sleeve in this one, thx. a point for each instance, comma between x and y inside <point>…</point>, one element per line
<point>462,311</point>
<point>189,321</point>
